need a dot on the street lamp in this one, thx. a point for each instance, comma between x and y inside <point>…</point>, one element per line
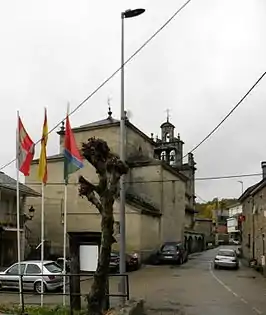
<point>122,254</point>
<point>242,186</point>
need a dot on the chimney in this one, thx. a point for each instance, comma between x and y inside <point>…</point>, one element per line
<point>263,166</point>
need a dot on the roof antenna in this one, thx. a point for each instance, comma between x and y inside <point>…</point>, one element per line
<point>109,108</point>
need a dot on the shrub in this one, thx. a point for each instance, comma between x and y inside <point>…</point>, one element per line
<point>37,310</point>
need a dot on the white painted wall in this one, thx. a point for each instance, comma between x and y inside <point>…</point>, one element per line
<point>235,210</point>
<point>232,225</point>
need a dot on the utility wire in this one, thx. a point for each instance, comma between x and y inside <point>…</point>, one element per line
<point>112,75</point>
<point>154,181</point>
<point>227,116</point>
<point>199,197</point>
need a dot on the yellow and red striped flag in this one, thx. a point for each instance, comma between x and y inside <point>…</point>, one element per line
<point>42,171</point>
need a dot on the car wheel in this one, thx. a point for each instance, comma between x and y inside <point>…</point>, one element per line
<point>215,266</point>
<point>180,261</point>
<point>236,267</point>
<point>38,287</point>
<point>155,261</point>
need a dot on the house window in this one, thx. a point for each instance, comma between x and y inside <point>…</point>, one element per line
<point>4,204</point>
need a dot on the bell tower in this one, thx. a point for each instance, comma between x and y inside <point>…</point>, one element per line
<point>167,130</point>
<point>169,148</point>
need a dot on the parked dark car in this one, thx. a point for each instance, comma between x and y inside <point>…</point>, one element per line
<point>170,252</point>
<point>114,263</point>
<point>132,261</point>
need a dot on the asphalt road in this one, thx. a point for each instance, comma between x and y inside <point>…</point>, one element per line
<point>192,289</point>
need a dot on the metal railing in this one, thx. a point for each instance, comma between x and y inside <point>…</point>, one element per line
<point>70,294</point>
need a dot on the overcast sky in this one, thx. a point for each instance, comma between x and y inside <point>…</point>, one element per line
<point>199,67</point>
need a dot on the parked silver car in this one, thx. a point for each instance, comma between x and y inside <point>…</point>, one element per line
<point>32,276</point>
<point>226,258</point>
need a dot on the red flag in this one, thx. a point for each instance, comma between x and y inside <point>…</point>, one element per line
<point>73,160</point>
<point>25,147</point>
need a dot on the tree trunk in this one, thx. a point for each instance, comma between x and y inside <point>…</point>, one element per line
<point>96,298</point>
<point>109,169</point>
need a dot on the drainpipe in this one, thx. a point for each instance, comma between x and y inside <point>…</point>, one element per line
<point>263,252</point>
<point>263,244</point>
<point>253,229</point>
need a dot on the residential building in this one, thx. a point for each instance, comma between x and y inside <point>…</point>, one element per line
<point>8,219</point>
<point>159,196</point>
<point>253,220</point>
<point>205,227</point>
<point>220,217</point>
<point>234,221</point>
<point>234,210</point>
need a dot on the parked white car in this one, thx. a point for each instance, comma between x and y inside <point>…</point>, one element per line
<point>32,276</point>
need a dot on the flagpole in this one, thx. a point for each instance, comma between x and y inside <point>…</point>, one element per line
<point>42,242</point>
<point>65,241</point>
<point>65,226</point>
<point>18,212</point>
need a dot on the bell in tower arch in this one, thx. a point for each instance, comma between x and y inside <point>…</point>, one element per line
<point>172,157</point>
<point>163,156</point>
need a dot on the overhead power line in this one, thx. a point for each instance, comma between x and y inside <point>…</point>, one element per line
<point>158,181</point>
<point>199,197</point>
<point>113,74</point>
<point>228,115</point>
<point>228,176</point>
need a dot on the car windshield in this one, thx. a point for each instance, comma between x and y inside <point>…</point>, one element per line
<point>227,253</point>
<point>53,267</point>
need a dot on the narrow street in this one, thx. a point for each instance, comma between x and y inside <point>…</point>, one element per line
<point>201,290</point>
<point>192,289</point>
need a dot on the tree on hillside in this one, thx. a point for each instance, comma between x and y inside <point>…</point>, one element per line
<point>109,169</point>
<point>205,209</point>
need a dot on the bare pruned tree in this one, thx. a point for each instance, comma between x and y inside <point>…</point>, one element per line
<point>109,168</point>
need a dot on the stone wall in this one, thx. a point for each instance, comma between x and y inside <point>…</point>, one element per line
<point>254,226</point>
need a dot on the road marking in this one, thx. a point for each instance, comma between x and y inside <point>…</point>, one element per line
<point>230,290</point>
<point>256,310</point>
<point>222,283</point>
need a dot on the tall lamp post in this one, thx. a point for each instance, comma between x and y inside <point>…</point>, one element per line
<point>242,186</point>
<point>122,264</point>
